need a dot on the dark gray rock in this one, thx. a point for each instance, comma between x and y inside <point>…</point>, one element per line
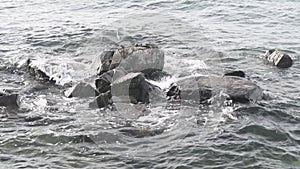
<point>35,71</point>
<point>9,100</point>
<point>237,73</point>
<point>129,88</point>
<point>133,58</point>
<point>278,58</point>
<point>202,88</point>
<point>106,62</point>
<point>155,74</point>
<point>102,100</point>
<point>103,82</point>
<point>133,86</point>
<point>82,90</point>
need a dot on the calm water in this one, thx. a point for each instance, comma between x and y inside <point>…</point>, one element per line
<point>206,37</point>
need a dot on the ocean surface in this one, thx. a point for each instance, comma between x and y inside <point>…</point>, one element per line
<point>205,37</point>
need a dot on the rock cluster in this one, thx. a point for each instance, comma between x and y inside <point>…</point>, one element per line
<point>124,74</point>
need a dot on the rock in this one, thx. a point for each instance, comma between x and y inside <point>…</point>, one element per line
<point>129,88</point>
<point>173,92</point>
<point>102,100</point>
<point>35,72</point>
<point>41,70</point>
<point>9,100</point>
<point>278,58</point>
<point>156,95</point>
<point>237,73</point>
<point>155,74</point>
<point>202,88</point>
<point>133,58</point>
<point>106,62</point>
<point>81,90</point>
<point>103,83</point>
<point>133,86</point>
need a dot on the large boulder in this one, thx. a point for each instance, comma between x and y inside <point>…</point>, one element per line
<point>133,58</point>
<point>133,86</point>
<point>278,58</point>
<point>202,88</point>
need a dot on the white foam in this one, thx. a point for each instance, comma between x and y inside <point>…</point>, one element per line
<point>61,73</point>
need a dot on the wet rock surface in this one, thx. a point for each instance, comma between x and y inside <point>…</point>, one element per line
<point>82,90</point>
<point>133,58</point>
<point>10,100</point>
<point>155,74</point>
<point>278,58</point>
<point>237,73</point>
<point>126,75</point>
<point>202,88</point>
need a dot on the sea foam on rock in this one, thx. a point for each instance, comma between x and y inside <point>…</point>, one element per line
<point>278,58</point>
<point>41,70</point>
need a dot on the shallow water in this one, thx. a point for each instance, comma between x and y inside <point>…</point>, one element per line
<point>207,37</point>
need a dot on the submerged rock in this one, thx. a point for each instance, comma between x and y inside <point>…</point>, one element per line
<point>133,58</point>
<point>237,73</point>
<point>155,74</point>
<point>202,88</point>
<point>278,58</point>
<point>9,100</point>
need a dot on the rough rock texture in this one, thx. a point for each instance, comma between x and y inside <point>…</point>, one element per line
<point>81,90</point>
<point>133,58</point>
<point>278,58</point>
<point>202,88</point>
<point>9,100</point>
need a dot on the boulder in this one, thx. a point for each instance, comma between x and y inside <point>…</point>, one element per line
<point>128,88</point>
<point>133,58</point>
<point>202,88</point>
<point>278,58</point>
<point>82,90</point>
<point>133,86</point>
<point>9,100</point>
<point>102,100</point>
<point>103,82</point>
